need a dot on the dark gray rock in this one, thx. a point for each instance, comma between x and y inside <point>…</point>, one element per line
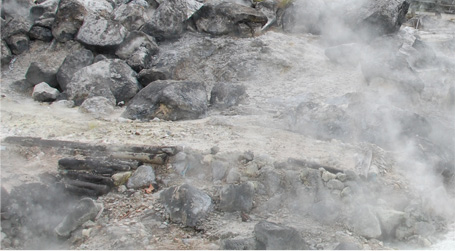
<point>18,43</point>
<point>186,204</point>
<point>72,63</point>
<point>140,59</point>
<point>144,176</point>
<point>22,86</point>
<point>4,199</point>
<point>6,53</point>
<point>146,76</point>
<point>101,33</point>
<point>98,106</point>
<point>271,180</point>
<point>239,244</point>
<point>169,19</point>
<point>111,78</point>
<point>43,9</point>
<point>237,197</point>
<point>86,209</point>
<point>365,223</point>
<point>272,236</point>
<point>69,18</point>
<point>168,100</point>
<point>41,33</point>
<point>39,72</point>
<point>44,93</point>
<point>229,18</point>
<point>225,95</point>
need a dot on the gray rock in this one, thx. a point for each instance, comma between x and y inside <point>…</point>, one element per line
<point>15,26</point>
<point>271,180</point>
<point>98,106</point>
<point>18,43</point>
<point>269,8</point>
<point>146,76</point>
<point>225,95</point>
<point>39,72</point>
<point>144,176</point>
<point>16,7</point>
<point>365,223</point>
<point>69,18</point>
<point>239,244</point>
<point>4,199</point>
<point>168,100</point>
<point>272,236</point>
<point>345,54</point>
<point>227,18</point>
<point>219,170</point>
<point>6,53</point>
<point>186,204</point>
<point>138,49</point>
<point>41,33</point>
<point>335,185</point>
<point>72,63</point>
<point>390,220</point>
<point>86,209</point>
<point>131,16</point>
<point>140,59</point>
<point>168,20</point>
<point>111,78</point>
<point>233,176</point>
<point>22,86</point>
<point>237,197</point>
<point>43,9</point>
<point>44,93</point>
<point>101,33</point>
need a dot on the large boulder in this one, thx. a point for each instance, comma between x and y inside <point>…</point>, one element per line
<point>229,18</point>
<point>14,26</point>
<point>110,78</point>
<point>272,236</point>
<point>72,63</point>
<point>69,18</point>
<point>40,72</point>
<point>169,19</point>
<point>168,100</point>
<point>44,93</point>
<point>186,204</point>
<point>237,197</point>
<point>100,33</point>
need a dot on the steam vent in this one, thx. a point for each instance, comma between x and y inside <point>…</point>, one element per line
<point>227,124</point>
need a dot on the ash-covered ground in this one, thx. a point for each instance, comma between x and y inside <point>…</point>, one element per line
<point>271,131</point>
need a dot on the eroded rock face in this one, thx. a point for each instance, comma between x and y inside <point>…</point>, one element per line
<point>168,100</point>
<point>270,235</point>
<point>111,78</point>
<point>186,204</point>
<point>229,18</point>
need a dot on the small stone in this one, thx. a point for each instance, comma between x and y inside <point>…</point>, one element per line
<point>121,178</point>
<point>86,232</point>
<point>326,176</point>
<point>214,150</point>
<point>144,176</point>
<point>44,93</point>
<point>252,169</point>
<point>341,177</point>
<point>233,176</point>
<point>122,189</point>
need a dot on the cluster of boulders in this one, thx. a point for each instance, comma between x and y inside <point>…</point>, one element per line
<point>125,49</point>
